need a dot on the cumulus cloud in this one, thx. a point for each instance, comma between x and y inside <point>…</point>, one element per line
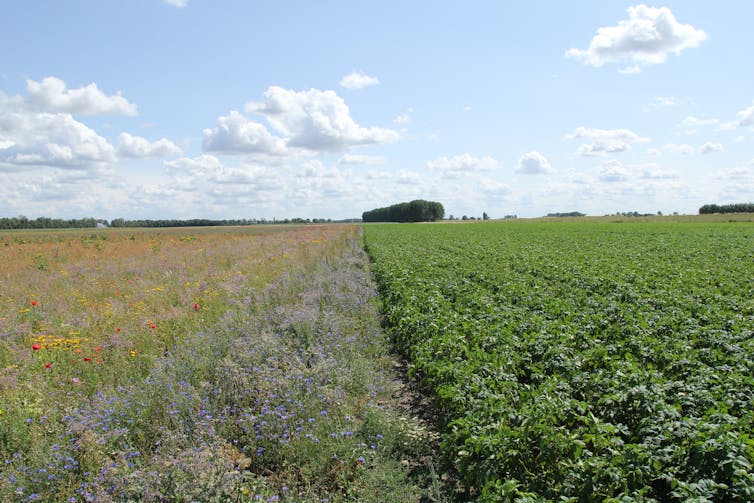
<point>206,174</point>
<point>612,171</point>
<point>746,117</point>
<point>314,120</point>
<point>55,140</point>
<point>409,178</point>
<point>358,80</point>
<point>646,37</point>
<point>235,134</point>
<point>534,163</point>
<point>653,172</point>
<point>463,164</point>
<point>494,188</point>
<point>136,146</point>
<point>201,165</point>
<point>361,160</point>
<point>52,95</point>
<point>605,141</point>
<point>708,147</point>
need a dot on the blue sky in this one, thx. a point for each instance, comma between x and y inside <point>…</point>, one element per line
<point>276,109</point>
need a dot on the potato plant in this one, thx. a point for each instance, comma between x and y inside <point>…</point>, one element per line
<point>581,361</point>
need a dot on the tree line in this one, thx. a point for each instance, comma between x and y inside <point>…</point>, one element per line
<point>21,222</point>
<point>727,208</point>
<point>418,210</point>
<point>204,222</point>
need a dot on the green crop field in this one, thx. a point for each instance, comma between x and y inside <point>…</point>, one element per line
<point>581,361</point>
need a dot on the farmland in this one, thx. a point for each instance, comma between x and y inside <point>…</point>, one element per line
<point>230,364</point>
<point>581,361</point>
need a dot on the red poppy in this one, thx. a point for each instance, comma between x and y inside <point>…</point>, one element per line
<point>152,326</point>
<point>196,306</point>
<point>36,347</point>
<point>87,359</point>
<point>34,302</point>
<point>48,365</point>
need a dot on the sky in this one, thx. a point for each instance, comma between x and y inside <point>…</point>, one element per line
<point>225,109</point>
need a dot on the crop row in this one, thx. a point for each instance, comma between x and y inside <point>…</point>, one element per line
<point>581,361</point>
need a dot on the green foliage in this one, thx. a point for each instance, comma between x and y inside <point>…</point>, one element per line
<point>581,361</point>
<point>414,211</point>
<point>22,222</point>
<point>568,214</point>
<point>727,208</point>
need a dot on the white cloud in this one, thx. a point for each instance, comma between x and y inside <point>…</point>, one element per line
<point>664,102</point>
<point>53,140</point>
<point>402,119</point>
<point>206,174</point>
<point>746,117</point>
<point>613,171</point>
<point>708,147</point>
<point>653,172</point>
<point>51,95</point>
<point>533,163</point>
<point>235,134</point>
<point>361,160</point>
<point>690,122</point>
<point>646,37</point>
<point>136,146</point>
<point>201,165</point>
<point>654,152</point>
<point>316,120</point>
<point>461,165</point>
<point>378,175</point>
<point>739,183</point>
<point>409,178</point>
<point>679,148</point>
<point>177,3</point>
<point>494,188</point>
<point>358,80</point>
<point>605,141</point>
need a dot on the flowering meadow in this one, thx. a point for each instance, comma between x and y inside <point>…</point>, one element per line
<point>231,364</point>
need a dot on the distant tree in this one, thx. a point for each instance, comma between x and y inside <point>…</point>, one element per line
<point>727,208</point>
<point>485,216</point>
<point>569,214</point>
<point>412,211</point>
